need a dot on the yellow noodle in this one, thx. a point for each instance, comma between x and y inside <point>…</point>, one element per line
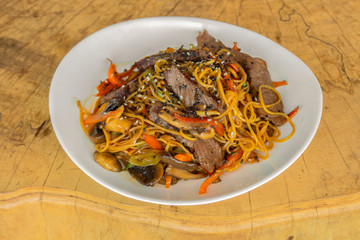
<point>227,52</point>
<point>158,65</point>
<point>232,71</point>
<point>276,113</point>
<point>82,112</point>
<point>207,113</point>
<point>243,127</point>
<point>103,147</point>
<point>198,79</point>
<point>230,107</point>
<point>220,88</point>
<point>186,136</point>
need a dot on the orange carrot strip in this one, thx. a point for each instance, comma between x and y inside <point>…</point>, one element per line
<point>183,157</point>
<point>92,119</point>
<point>293,112</point>
<point>229,83</point>
<point>144,113</point>
<point>99,117</point>
<point>152,142</point>
<point>208,181</point>
<point>235,47</point>
<point>168,179</point>
<point>115,78</point>
<point>279,84</point>
<point>234,65</point>
<point>170,50</point>
<point>230,161</point>
<point>219,128</point>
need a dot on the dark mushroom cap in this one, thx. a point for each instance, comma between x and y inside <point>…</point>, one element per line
<point>149,175</point>
<point>96,135</point>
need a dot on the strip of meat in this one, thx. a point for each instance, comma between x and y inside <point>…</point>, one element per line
<point>154,116</point>
<point>207,153</point>
<point>257,73</point>
<point>188,91</point>
<point>179,55</point>
<point>121,93</point>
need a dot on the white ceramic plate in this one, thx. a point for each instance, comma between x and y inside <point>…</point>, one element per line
<point>85,66</point>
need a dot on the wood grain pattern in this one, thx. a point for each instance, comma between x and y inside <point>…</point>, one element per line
<point>317,197</point>
<point>82,213</point>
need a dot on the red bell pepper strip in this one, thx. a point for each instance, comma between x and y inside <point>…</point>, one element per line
<point>206,171</point>
<point>104,88</point>
<point>115,79</point>
<point>219,128</point>
<point>114,76</point>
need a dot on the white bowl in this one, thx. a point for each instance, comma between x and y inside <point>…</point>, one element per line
<point>85,66</point>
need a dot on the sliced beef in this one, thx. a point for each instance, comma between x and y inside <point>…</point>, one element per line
<point>121,93</point>
<point>179,55</point>
<point>188,91</point>
<point>154,116</point>
<point>205,40</point>
<point>208,152</point>
<point>256,70</point>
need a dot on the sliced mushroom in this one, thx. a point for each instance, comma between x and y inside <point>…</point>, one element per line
<point>200,130</point>
<point>149,175</point>
<point>112,105</point>
<point>162,180</point>
<point>123,159</point>
<point>190,166</point>
<point>184,174</point>
<point>96,135</point>
<point>179,124</point>
<point>108,161</point>
<point>204,135</point>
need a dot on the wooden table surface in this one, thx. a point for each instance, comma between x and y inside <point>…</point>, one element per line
<point>44,195</point>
